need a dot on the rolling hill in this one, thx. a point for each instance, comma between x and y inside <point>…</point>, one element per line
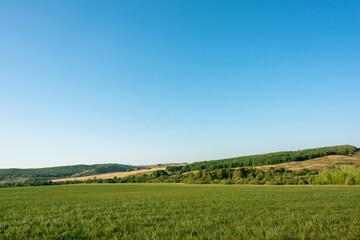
<point>330,158</point>
<point>265,159</point>
<point>291,160</point>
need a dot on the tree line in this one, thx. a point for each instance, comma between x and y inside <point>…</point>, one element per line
<point>349,175</point>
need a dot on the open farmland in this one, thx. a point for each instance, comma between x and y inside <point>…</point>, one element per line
<point>179,211</point>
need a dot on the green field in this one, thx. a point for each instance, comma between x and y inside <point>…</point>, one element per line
<point>178,211</point>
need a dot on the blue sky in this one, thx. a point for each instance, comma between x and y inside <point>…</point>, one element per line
<point>146,82</point>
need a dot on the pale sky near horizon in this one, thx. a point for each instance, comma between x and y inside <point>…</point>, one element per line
<point>147,82</point>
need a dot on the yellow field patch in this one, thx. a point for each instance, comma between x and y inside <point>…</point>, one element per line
<point>111,175</point>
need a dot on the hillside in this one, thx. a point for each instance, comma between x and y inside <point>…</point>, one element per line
<point>64,171</point>
<point>315,162</point>
<point>265,159</point>
<point>318,163</point>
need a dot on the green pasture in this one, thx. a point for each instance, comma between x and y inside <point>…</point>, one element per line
<point>179,211</point>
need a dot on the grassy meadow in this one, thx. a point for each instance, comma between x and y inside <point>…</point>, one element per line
<point>179,211</point>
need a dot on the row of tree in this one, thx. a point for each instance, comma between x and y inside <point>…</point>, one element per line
<point>342,176</point>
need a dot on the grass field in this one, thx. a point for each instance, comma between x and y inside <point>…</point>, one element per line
<point>178,211</point>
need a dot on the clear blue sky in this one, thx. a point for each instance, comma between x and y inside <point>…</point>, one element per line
<point>146,82</point>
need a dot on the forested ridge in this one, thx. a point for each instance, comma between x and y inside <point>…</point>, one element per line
<point>64,171</point>
<point>264,159</point>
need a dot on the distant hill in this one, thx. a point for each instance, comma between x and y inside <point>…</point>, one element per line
<point>64,171</point>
